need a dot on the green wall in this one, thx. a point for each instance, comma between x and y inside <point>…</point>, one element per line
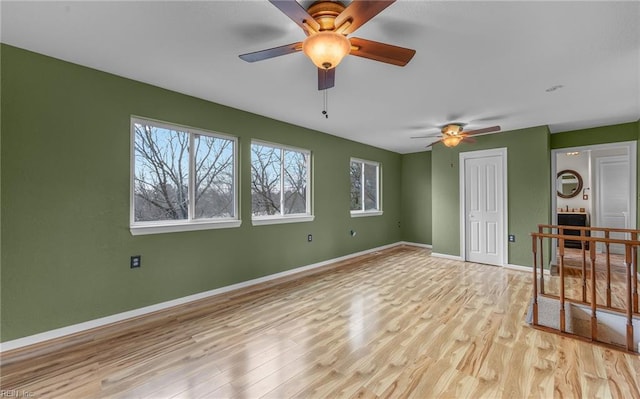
<point>597,135</point>
<point>528,168</point>
<point>65,199</point>
<point>416,197</point>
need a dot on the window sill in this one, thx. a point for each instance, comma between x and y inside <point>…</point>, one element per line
<point>264,220</point>
<point>138,230</point>
<point>360,214</point>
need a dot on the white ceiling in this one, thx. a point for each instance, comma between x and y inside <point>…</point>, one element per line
<point>482,63</point>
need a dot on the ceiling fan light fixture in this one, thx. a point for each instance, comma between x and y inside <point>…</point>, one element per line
<point>452,141</point>
<point>326,49</point>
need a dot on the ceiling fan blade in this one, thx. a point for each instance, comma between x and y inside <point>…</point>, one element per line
<point>434,143</point>
<point>297,13</point>
<point>358,13</point>
<point>484,130</point>
<point>426,136</point>
<point>326,78</point>
<point>382,52</point>
<point>469,140</point>
<point>272,52</point>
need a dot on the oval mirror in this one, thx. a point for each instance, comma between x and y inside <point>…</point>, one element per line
<point>569,183</point>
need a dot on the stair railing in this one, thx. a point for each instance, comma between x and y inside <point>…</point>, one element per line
<point>558,232</point>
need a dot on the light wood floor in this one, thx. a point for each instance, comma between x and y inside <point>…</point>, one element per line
<point>397,324</point>
<point>573,273</point>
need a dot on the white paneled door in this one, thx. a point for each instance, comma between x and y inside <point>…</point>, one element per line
<point>613,196</point>
<point>484,201</point>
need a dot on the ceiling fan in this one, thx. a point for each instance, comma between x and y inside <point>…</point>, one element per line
<point>453,134</point>
<point>327,24</point>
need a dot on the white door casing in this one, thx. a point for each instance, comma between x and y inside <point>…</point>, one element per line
<point>483,206</point>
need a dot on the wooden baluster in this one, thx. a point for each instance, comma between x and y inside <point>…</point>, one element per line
<point>560,231</point>
<point>540,230</point>
<point>561,267</point>
<point>584,267</point>
<point>594,318</point>
<point>534,309</point>
<point>634,254</point>
<point>628,265</point>
<point>606,244</point>
<point>541,265</point>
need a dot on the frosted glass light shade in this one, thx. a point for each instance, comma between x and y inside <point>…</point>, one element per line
<point>452,141</point>
<point>326,49</point>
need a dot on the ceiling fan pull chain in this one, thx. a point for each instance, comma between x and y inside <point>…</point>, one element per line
<point>325,95</point>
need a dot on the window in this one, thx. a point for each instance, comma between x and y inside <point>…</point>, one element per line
<point>280,184</point>
<point>182,179</point>
<point>365,188</point>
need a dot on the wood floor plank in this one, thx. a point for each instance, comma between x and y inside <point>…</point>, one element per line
<point>396,324</point>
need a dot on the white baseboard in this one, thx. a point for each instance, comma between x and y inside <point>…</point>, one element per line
<point>103,321</point>
<point>447,256</point>
<point>415,244</point>
<point>527,269</point>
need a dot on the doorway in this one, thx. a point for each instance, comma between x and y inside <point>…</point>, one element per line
<point>483,199</point>
<point>607,198</point>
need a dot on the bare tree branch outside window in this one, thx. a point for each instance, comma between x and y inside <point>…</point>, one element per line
<point>161,168</point>
<point>278,181</point>
<point>356,186</point>
<point>370,187</point>
<point>265,180</point>
<point>162,175</point>
<point>295,182</point>
<point>214,177</point>
<point>364,186</point>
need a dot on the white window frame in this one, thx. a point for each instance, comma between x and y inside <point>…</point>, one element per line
<point>371,212</point>
<point>283,218</point>
<point>190,224</point>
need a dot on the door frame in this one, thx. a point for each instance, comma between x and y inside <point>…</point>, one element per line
<point>633,161</point>
<point>463,156</point>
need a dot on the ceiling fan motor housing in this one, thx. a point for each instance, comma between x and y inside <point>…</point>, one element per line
<point>452,129</point>
<point>325,13</point>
